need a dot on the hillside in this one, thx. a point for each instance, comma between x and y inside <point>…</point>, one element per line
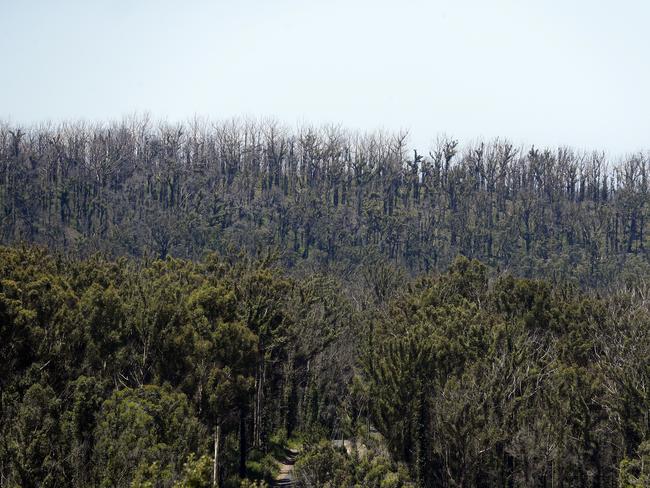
<point>238,304</point>
<point>323,197</point>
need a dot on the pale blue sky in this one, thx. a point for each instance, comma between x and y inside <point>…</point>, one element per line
<point>544,72</point>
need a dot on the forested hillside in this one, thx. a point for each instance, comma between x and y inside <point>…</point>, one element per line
<point>191,305</point>
<point>160,373</point>
<point>116,373</point>
<point>323,196</point>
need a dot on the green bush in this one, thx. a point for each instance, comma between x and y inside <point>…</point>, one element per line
<point>323,465</point>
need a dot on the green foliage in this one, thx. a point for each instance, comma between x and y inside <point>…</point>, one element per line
<point>635,473</point>
<point>32,438</point>
<point>323,465</point>
<point>121,370</point>
<point>135,372</point>
<point>197,473</point>
<point>515,381</point>
<point>144,434</point>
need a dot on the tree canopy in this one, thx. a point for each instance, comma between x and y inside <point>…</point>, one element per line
<point>188,305</point>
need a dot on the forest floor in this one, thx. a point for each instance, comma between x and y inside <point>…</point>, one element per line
<point>285,474</point>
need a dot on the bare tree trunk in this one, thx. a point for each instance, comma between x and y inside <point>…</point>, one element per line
<point>242,442</point>
<point>256,400</point>
<point>257,404</point>
<point>260,404</point>
<point>215,462</point>
<point>260,375</point>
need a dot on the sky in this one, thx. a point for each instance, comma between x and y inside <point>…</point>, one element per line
<point>545,72</point>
